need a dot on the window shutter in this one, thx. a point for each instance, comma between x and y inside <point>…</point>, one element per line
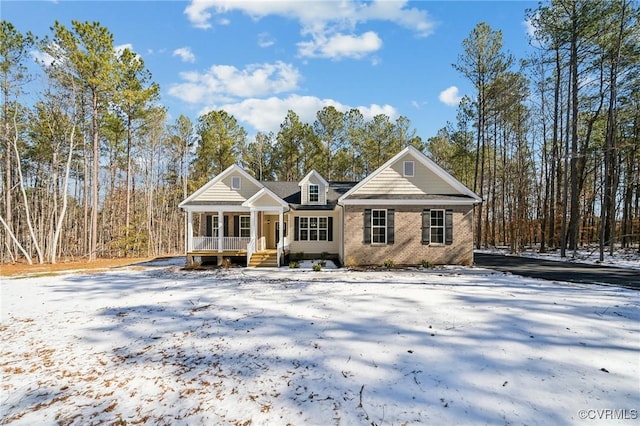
<point>236,226</point>
<point>330,230</point>
<point>208,230</point>
<point>390,226</point>
<point>426,226</point>
<point>296,228</point>
<point>448,227</point>
<point>367,226</point>
<point>225,223</point>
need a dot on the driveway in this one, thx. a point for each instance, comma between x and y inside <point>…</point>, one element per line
<point>560,271</point>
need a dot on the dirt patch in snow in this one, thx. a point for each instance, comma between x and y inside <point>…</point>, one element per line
<point>23,269</point>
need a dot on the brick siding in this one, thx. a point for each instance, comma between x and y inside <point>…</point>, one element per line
<point>408,248</point>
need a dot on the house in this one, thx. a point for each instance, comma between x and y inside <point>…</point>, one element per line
<point>408,211</point>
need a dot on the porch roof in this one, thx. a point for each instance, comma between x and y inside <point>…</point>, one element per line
<point>212,203</point>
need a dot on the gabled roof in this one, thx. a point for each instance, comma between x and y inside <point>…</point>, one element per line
<point>318,176</point>
<point>229,170</point>
<point>424,160</point>
<point>265,192</point>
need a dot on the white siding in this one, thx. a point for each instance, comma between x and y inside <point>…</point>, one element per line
<point>317,247</point>
<point>222,191</point>
<point>322,191</point>
<point>392,182</point>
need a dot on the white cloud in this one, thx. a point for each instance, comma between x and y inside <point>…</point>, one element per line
<point>529,28</point>
<point>185,54</point>
<point>266,115</point>
<point>119,49</point>
<point>418,104</point>
<point>265,40</point>
<point>42,58</point>
<point>339,46</point>
<point>197,13</point>
<point>222,83</point>
<point>329,25</point>
<point>450,96</point>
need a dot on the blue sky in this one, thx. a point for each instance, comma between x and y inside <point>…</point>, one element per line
<point>258,59</point>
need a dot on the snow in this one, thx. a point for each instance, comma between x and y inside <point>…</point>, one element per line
<point>155,344</point>
<point>621,258</point>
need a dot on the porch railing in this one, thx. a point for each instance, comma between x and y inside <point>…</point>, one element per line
<point>251,248</point>
<point>261,244</point>
<point>213,243</point>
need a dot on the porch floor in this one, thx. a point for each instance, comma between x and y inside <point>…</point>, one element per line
<point>217,253</point>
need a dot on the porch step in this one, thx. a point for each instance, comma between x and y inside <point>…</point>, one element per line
<point>264,259</point>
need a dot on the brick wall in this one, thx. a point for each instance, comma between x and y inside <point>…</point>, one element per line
<point>408,248</point>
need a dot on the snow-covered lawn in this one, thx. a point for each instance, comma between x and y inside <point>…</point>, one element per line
<point>159,345</point>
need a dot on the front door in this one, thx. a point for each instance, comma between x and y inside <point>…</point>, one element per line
<point>270,235</point>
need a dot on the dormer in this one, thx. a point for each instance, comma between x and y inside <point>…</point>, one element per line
<point>313,189</point>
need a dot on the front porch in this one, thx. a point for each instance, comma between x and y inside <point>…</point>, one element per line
<point>258,235</point>
<point>235,217</point>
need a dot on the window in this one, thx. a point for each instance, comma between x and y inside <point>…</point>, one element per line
<point>314,228</point>
<point>408,168</point>
<point>235,182</point>
<point>245,226</point>
<point>314,193</point>
<point>437,227</point>
<point>379,226</point>
<point>212,226</point>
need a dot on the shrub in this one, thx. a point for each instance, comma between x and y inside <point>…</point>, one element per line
<point>296,257</point>
<point>317,267</point>
<point>426,264</point>
<point>293,264</point>
<point>324,255</point>
<point>389,263</point>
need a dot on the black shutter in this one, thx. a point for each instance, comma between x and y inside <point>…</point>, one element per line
<point>208,229</point>
<point>330,230</point>
<point>236,226</point>
<point>296,228</point>
<point>448,227</point>
<point>426,226</point>
<point>390,226</point>
<point>367,226</point>
<point>226,226</point>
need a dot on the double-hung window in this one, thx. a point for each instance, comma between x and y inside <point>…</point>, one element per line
<point>314,193</point>
<point>245,226</point>
<point>379,226</point>
<point>437,227</point>
<point>212,226</point>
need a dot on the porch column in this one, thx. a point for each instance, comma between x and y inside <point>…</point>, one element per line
<point>220,229</point>
<point>281,235</point>
<point>254,223</point>
<point>189,231</point>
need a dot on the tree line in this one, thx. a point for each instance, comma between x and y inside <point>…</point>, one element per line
<point>93,168</point>
<point>552,142</point>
